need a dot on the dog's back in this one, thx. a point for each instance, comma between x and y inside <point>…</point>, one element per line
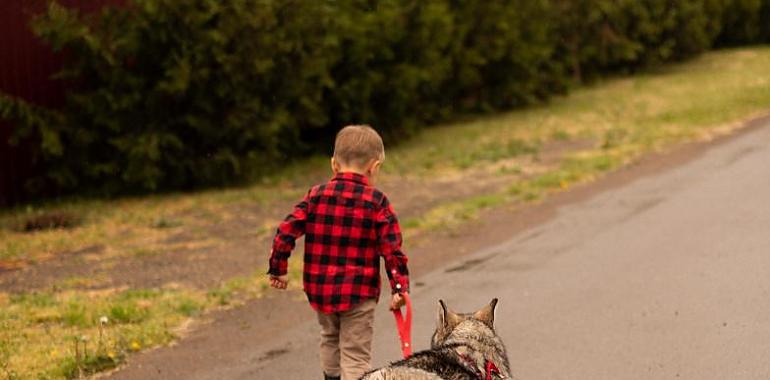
<point>463,347</point>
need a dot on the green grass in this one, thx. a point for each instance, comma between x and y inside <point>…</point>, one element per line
<point>57,333</point>
<point>62,334</point>
<point>67,333</point>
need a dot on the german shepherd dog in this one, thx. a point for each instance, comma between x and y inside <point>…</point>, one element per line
<point>463,347</point>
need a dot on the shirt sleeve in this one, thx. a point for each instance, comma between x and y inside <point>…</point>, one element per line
<point>389,235</point>
<point>285,238</point>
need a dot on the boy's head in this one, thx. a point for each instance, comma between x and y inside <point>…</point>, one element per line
<point>358,148</point>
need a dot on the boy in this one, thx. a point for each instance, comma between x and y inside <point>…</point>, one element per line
<point>348,225</point>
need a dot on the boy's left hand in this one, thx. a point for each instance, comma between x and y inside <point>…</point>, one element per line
<point>397,301</point>
<point>279,282</point>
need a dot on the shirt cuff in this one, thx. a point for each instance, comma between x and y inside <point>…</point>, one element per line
<point>279,263</point>
<point>400,284</point>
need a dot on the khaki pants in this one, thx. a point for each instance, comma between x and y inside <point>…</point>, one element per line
<point>346,341</point>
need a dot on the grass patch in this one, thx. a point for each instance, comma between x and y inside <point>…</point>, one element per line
<point>69,334</point>
<point>452,214</point>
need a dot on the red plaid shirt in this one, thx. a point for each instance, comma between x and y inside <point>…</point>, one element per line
<point>347,225</point>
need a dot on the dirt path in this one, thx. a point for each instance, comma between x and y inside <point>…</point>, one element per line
<point>558,286</point>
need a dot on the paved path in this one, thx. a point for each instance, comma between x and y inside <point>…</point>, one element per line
<point>665,278</point>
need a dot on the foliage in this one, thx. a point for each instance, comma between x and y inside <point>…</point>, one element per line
<point>170,95</point>
<point>740,22</point>
<point>176,95</point>
<point>601,36</point>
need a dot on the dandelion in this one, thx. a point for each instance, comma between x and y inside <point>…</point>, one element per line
<point>563,184</point>
<point>111,354</point>
<point>135,345</point>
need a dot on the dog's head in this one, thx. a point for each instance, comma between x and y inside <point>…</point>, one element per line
<point>449,322</point>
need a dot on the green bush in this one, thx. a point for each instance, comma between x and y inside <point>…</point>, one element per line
<point>500,56</point>
<point>740,22</point>
<point>604,36</point>
<point>764,22</point>
<point>390,65</point>
<point>178,95</point>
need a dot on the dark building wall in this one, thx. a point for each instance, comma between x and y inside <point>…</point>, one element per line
<point>26,66</point>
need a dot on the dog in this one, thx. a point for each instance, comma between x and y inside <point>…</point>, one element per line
<point>463,347</point>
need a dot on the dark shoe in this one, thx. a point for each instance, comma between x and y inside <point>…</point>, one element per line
<point>327,377</point>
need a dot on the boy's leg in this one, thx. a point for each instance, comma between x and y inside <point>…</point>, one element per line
<point>330,343</point>
<point>356,330</point>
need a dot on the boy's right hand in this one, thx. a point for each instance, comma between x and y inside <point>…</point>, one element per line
<point>397,301</point>
<point>279,282</point>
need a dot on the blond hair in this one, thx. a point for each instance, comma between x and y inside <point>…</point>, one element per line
<point>357,145</point>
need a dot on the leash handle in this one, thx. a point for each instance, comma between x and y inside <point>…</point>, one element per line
<point>404,326</point>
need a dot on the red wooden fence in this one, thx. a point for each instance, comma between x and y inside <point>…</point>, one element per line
<point>26,66</point>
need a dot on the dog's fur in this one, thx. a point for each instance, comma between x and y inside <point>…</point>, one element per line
<point>461,347</point>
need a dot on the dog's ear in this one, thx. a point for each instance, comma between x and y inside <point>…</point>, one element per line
<point>487,314</point>
<point>442,311</point>
<point>447,318</point>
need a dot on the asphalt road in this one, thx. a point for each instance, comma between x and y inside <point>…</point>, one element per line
<point>667,277</point>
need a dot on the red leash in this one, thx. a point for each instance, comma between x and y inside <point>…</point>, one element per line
<point>404,326</point>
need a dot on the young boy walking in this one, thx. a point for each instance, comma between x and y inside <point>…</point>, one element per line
<point>348,225</point>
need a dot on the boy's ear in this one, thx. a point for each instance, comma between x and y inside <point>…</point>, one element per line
<point>335,166</point>
<point>374,166</point>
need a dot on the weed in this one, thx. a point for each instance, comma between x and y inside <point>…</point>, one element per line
<point>145,252</point>
<point>74,314</point>
<point>510,169</point>
<point>189,308</point>
<point>560,135</point>
<point>410,223</point>
<point>221,295</point>
<point>613,138</point>
<point>524,191</point>
<point>127,312</point>
<point>33,299</point>
<point>75,368</point>
<point>104,354</point>
<point>166,222</point>
<point>74,282</point>
<point>6,349</point>
<point>484,201</point>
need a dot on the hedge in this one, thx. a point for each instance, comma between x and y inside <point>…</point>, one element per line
<point>178,95</point>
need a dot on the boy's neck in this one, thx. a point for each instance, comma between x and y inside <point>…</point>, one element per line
<point>369,171</point>
<point>353,170</point>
